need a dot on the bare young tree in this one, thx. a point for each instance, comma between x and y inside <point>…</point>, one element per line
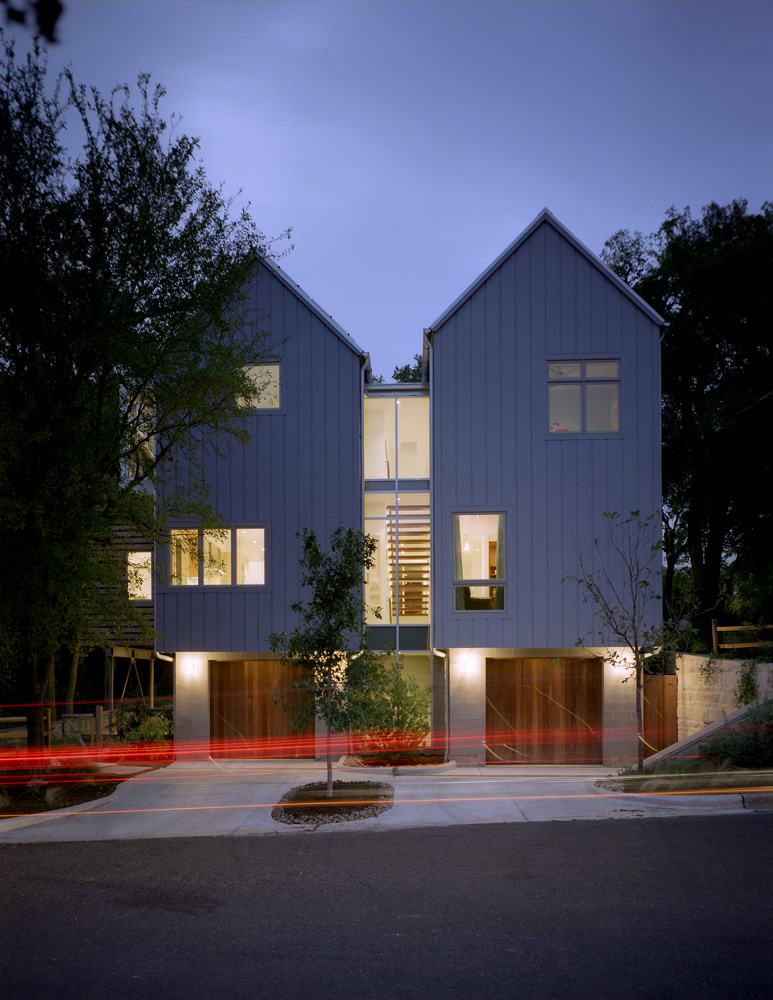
<point>621,578</point>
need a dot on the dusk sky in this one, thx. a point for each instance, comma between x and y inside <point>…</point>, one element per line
<point>408,142</point>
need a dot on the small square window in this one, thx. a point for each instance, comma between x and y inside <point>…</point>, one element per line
<point>583,397</point>
<point>265,379</point>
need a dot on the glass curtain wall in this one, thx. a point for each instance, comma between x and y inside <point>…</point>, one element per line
<point>397,513</point>
<point>398,582</point>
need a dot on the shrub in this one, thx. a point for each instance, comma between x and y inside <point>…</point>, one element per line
<point>139,724</point>
<point>747,745</point>
<point>397,711</point>
<point>746,691</point>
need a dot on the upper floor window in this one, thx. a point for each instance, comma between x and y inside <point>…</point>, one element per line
<point>583,396</point>
<point>139,576</point>
<point>396,437</point>
<point>479,562</point>
<point>227,557</point>
<point>265,379</point>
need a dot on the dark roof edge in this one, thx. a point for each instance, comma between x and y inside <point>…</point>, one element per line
<point>547,216</point>
<point>316,308</point>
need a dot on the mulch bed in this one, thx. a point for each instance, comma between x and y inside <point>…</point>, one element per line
<point>395,758</point>
<point>40,795</point>
<point>352,800</point>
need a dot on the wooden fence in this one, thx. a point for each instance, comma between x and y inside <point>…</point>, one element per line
<point>740,636</point>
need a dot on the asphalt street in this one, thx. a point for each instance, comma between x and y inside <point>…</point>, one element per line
<point>651,908</point>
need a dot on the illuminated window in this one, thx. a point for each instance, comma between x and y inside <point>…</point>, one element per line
<point>479,562</point>
<point>396,437</point>
<point>224,558</point>
<point>139,576</point>
<point>250,556</point>
<point>398,582</point>
<point>184,555</point>
<point>217,558</point>
<point>583,397</point>
<point>265,379</point>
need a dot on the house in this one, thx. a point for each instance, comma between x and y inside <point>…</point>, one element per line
<point>539,411</point>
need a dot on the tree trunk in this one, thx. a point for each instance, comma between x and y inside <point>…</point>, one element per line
<point>639,719</point>
<point>36,729</point>
<point>72,679</point>
<point>51,686</point>
<point>329,733</point>
<point>42,696</point>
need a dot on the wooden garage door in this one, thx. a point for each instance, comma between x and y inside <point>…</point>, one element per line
<point>543,709</point>
<point>244,719</point>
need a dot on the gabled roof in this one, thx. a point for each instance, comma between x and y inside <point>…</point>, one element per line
<point>547,216</point>
<point>273,268</point>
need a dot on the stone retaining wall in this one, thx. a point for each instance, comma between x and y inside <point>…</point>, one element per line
<point>705,697</point>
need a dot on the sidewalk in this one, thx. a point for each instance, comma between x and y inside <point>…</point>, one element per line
<point>235,798</point>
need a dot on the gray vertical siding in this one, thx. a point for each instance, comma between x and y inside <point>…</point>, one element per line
<point>492,450</point>
<point>301,469</point>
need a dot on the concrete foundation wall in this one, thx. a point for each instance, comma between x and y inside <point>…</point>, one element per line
<point>707,689</point>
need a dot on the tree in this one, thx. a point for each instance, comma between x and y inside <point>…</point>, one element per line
<point>621,579</point>
<point>711,278</point>
<point>124,352</point>
<point>44,13</point>
<point>409,373</point>
<point>330,644</point>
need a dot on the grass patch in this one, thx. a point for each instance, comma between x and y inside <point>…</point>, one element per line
<point>351,800</point>
<point>686,776</point>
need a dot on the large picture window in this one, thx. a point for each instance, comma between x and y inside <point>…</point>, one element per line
<point>231,557</point>
<point>479,562</point>
<point>583,397</point>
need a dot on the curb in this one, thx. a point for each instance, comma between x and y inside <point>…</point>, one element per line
<point>758,801</point>
<point>686,800</point>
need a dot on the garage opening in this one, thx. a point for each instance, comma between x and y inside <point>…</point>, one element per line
<point>247,717</point>
<point>544,709</point>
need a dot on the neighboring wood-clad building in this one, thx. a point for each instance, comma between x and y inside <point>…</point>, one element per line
<point>539,412</point>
